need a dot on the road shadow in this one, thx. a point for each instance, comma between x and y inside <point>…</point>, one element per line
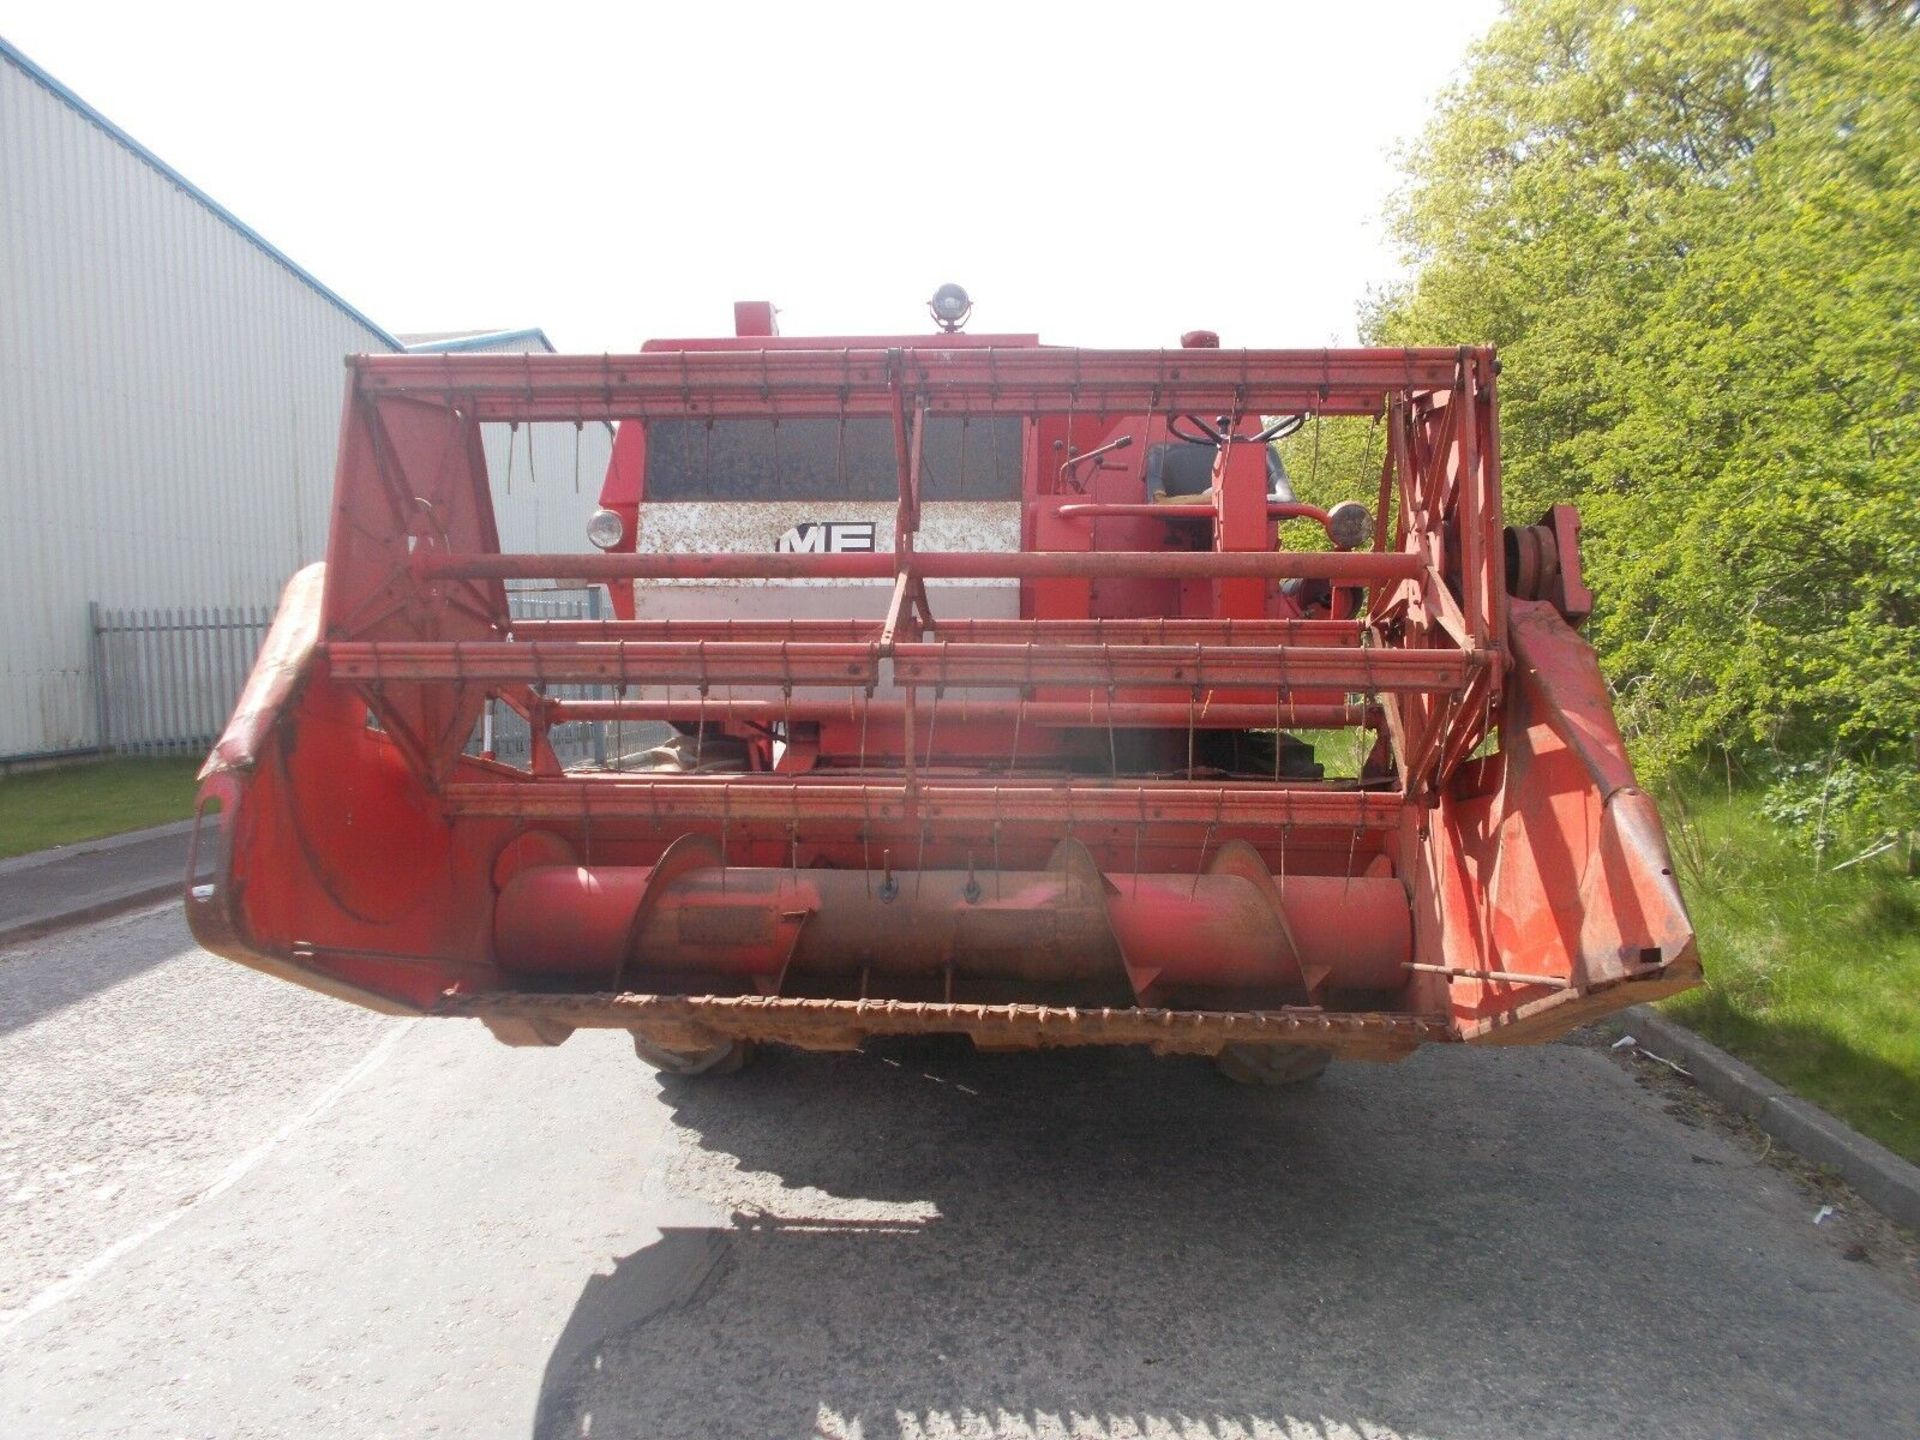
<point>50,972</point>
<point>922,1241</point>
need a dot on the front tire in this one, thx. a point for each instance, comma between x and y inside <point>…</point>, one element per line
<point>723,1059</point>
<point>1273,1065</point>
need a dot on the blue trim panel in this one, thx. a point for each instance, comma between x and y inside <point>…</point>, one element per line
<point>253,237</point>
<point>479,342</point>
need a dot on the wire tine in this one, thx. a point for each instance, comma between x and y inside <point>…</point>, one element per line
<point>700,721</point>
<point>619,717</point>
<point>1139,830</point>
<point>1113,749</point>
<point>866,830</point>
<point>1206,843</point>
<point>1193,700</point>
<point>840,447</point>
<point>993,423</point>
<point>1277,735</point>
<point>1353,845</point>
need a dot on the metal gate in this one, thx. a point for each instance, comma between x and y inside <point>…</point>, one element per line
<point>165,680</point>
<point>580,742</point>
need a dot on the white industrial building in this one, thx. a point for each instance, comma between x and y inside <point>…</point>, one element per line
<point>546,479</point>
<point>170,398</point>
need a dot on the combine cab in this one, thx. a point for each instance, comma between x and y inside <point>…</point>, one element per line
<point>984,668</point>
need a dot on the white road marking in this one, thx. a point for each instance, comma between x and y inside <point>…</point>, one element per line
<point>231,1176</point>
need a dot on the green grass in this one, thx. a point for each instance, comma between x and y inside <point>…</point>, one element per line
<point>40,808</point>
<point>1813,975</point>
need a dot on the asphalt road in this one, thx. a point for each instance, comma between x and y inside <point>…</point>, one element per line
<point>229,1208</point>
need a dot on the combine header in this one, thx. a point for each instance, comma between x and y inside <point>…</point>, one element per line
<point>987,664</point>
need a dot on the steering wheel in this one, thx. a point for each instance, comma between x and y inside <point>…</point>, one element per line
<point>1221,434</point>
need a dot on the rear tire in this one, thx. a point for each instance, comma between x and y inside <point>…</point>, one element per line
<point>722,1059</point>
<point>1273,1065</point>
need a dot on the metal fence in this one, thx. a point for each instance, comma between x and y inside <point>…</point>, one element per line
<point>577,742</point>
<point>165,680</point>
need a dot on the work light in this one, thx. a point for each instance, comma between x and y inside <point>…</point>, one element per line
<point>1349,525</point>
<point>950,306</point>
<point>606,529</point>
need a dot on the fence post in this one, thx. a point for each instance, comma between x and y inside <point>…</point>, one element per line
<point>97,646</point>
<point>599,726</point>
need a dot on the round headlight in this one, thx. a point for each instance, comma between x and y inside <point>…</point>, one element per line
<point>606,529</point>
<point>1349,525</point>
<point>950,306</point>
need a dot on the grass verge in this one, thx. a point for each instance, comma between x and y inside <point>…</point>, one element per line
<point>84,802</point>
<point>1813,976</point>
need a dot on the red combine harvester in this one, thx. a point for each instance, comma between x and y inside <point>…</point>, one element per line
<point>985,663</point>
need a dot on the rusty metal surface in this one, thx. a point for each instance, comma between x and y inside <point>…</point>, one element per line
<point>689,1022</point>
<point>1092,713</point>
<point>816,798</point>
<point>1143,630</point>
<point>730,662</point>
<point>853,381</point>
<point>1157,938</point>
<point>1352,567</point>
<point>1360,670</point>
<point>277,673</point>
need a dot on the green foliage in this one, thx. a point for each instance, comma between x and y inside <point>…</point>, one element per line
<point>1837,801</point>
<point>1329,460</point>
<point>1694,231</point>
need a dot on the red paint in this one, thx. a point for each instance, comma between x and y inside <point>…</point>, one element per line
<point>1071,808</point>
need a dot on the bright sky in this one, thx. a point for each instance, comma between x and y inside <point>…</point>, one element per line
<point>1103,174</point>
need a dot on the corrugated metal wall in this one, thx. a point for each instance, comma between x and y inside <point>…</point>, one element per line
<point>169,406</point>
<point>542,506</point>
<point>170,396</point>
<point>544,499</point>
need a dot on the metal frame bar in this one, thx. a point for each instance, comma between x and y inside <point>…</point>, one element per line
<point>936,802</point>
<point>1089,714</point>
<point>1145,631</point>
<point>854,382</point>
<point>1349,567</point>
<point>943,663</point>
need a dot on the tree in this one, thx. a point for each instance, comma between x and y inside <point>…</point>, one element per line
<point>1694,231</point>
